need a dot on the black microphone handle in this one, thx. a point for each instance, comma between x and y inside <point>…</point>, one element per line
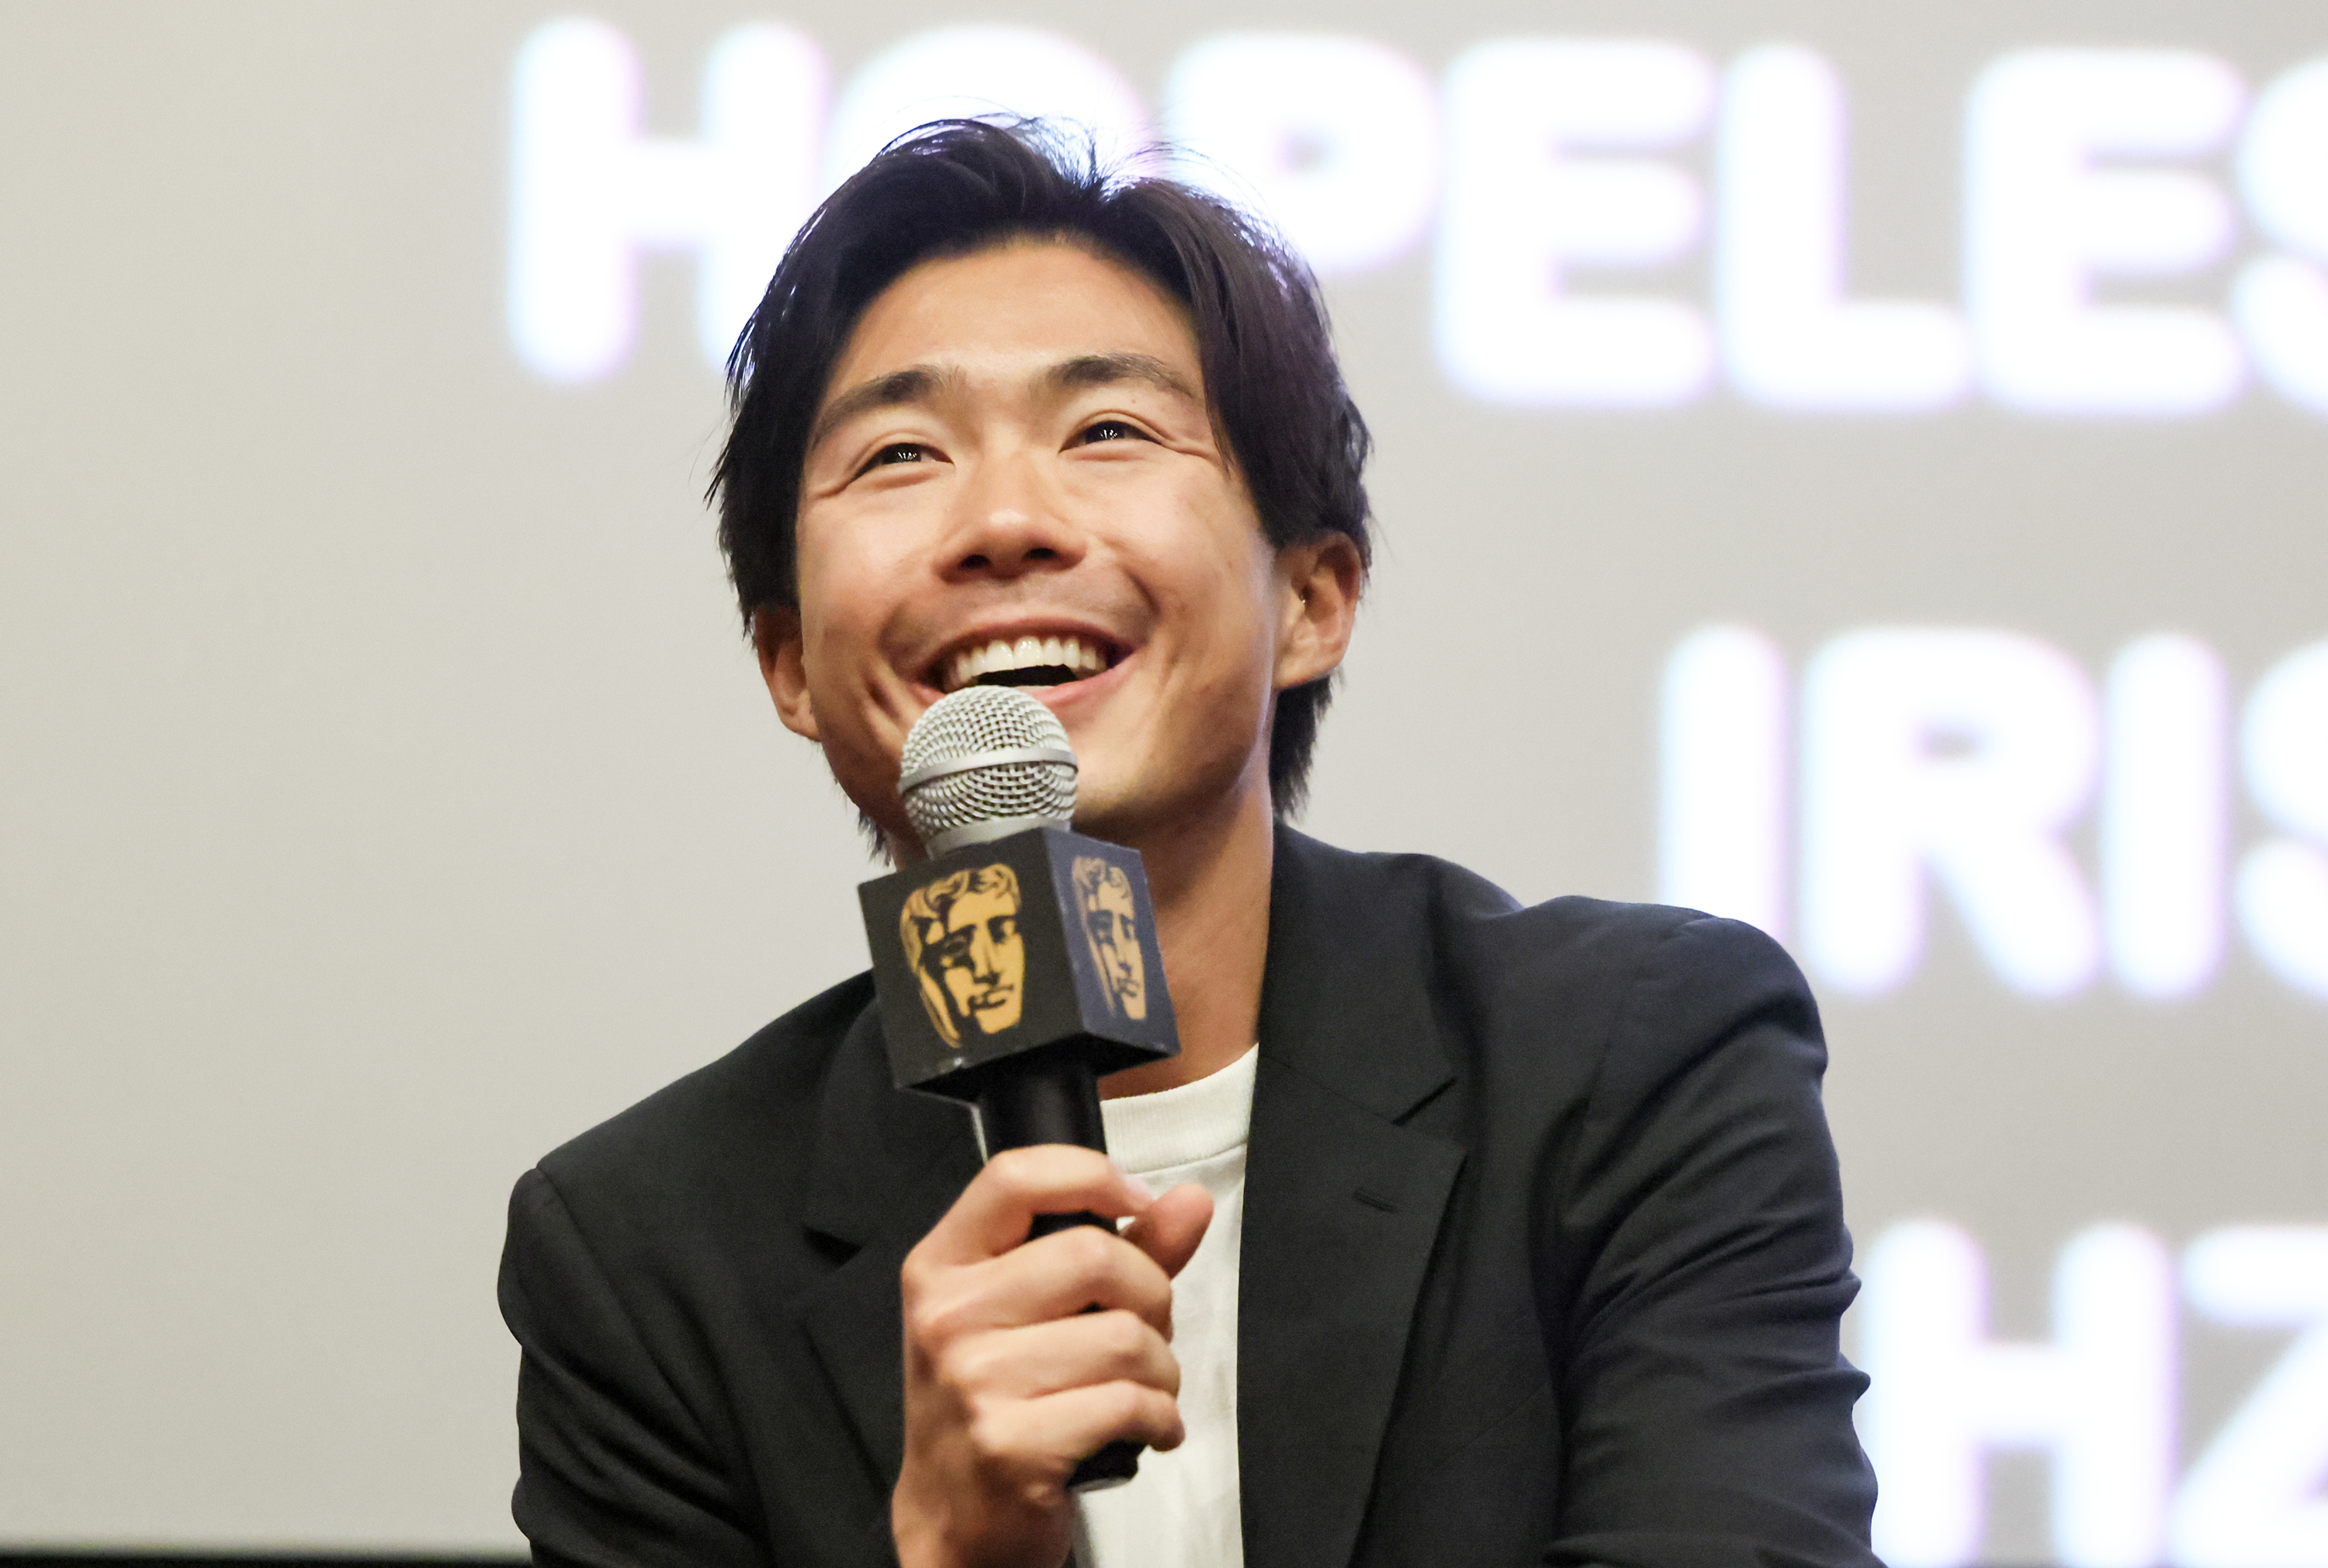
<point>1050,1096</point>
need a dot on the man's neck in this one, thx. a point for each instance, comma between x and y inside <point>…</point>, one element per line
<point>1208,878</point>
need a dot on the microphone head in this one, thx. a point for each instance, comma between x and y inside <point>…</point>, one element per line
<point>983,762</point>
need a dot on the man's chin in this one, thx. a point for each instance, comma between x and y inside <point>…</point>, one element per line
<point>1134,814</point>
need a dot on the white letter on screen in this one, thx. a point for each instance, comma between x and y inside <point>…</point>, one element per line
<point>2254,1499</point>
<point>2100,1398</point>
<point>1335,139</point>
<point>966,72</point>
<point>1722,842</point>
<point>1790,337</point>
<point>2165,815</point>
<point>2281,302</point>
<point>589,191</point>
<point>1959,753</point>
<point>2041,223</point>
<point>2283,885</point>
<point>1521,210</point>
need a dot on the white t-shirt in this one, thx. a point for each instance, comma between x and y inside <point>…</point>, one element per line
<point>1181,1511</point>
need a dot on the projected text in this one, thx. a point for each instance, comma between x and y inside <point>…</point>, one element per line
<point>1538,171</point>
<point>1965,765</point>
<point>2099,1398</point>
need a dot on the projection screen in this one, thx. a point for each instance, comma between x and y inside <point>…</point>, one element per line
<point>1857,469</point>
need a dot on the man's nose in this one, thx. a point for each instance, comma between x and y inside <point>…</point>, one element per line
<point>1010,525</point>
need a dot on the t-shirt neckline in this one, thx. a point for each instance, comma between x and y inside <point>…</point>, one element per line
<point>1181,1125</point>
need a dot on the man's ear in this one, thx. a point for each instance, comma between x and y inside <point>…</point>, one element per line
<point>1320,580</point>
<point>776,638</point>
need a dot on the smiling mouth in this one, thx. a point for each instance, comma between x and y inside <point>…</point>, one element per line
<point>1023,662</point>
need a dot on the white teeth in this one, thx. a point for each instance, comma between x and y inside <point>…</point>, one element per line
<point>1027,652</point>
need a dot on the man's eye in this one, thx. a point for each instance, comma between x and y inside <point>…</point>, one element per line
<point>1111,430</point>
<point>899,452</point>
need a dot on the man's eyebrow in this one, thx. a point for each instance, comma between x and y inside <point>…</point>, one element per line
<point>913,384</point>
<point>1101,370</point>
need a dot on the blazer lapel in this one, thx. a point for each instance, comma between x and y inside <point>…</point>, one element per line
<point>1342,1203</point>
<point>888,1164</point>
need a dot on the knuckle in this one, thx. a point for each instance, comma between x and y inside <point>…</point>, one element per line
<point>1134,1403</point>
<point>927,1323</point>
<point>1017,1171</point>
<point>1003,1172</point>
<point>1094,1252</point>
<point>988,1434</point>
<point>965,1364</point>
<point>948,1367</point>
<point>1124,1335</point>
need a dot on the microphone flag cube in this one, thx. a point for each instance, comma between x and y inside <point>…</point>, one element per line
<point>1043,941</point>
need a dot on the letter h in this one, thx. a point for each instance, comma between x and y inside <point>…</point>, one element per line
<point>589,191</point>
<point>2099,1398</point>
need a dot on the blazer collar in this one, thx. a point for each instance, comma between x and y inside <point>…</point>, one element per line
<point>1345,998</point>
<point>874,1143</point>
<point>887,1166</point>
<point>1342,1203</point>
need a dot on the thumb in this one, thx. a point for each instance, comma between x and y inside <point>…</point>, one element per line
<point>1173,1225</point>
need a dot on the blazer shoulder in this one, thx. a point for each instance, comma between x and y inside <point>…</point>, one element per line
<point>1461,908</point>
<point>1647,970</point>
<point>749,1099</point>
<point>1484,937</point>
<point>1595,971</point>
<point>1705,947</point>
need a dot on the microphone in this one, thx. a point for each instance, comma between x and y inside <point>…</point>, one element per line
<point>1019,965</point>
<point>983,764</point>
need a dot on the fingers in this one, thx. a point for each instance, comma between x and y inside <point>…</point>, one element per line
<point>1058,1276</point>
<point>1173,1224</point>
<point>1088,1350</point>
<point>1057,1433</point>
<point>1010,1379</point>
<point>994,1211</point>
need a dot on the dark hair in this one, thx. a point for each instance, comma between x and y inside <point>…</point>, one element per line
<point>956,186</point>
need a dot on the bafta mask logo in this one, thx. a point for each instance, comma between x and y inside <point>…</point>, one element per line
<point>961,938</point>
<point>1111,926</point>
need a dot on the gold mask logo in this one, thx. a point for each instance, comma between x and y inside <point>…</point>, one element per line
<point>1111,925</point>
<point>962,940</point>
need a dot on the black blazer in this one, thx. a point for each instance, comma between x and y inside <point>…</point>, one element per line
<point>1544,1257</point>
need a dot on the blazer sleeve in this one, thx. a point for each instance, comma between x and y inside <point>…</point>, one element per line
<point>614,1471</point>
<point>1699,1271</point>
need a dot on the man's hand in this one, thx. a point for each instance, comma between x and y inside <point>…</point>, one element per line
<point>1010,1381</point>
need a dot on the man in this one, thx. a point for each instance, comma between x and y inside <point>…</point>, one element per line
<point>1541,1253</point>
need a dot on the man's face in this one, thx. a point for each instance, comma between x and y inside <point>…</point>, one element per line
<point>980,959</point>
<point>1015,449</point>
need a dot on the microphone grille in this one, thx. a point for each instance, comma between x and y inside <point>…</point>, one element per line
<point>965,765</point>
